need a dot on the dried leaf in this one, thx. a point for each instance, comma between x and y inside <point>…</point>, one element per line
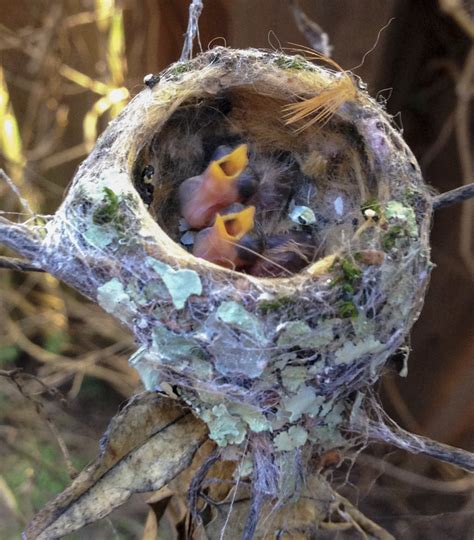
<point>146,445</point>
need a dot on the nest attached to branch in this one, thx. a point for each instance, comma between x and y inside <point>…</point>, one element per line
<point>275,364</point>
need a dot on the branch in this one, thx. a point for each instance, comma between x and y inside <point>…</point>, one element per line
<point>12,263</point>
<point>314,34</point>
<point>417,444</point>
<point>19,238</point>
<point>195,9</point>
<point>455,196</point>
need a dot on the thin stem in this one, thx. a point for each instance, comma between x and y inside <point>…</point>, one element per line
<point>455,196</point>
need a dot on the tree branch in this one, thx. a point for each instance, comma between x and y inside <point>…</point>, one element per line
<point>455,196</point>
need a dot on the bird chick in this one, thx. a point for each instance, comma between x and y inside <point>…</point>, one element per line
<point>284,254</point>
<point>277,183</point>
<point>228,242</point>
<point>225,181</point>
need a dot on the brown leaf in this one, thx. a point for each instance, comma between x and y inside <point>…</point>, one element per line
<point>146,445</point>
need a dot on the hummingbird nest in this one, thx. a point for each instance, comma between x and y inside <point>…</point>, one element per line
<point>275,366</point>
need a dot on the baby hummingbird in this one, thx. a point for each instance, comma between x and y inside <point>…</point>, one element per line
<point>228,242</point>
<point>226,180</point>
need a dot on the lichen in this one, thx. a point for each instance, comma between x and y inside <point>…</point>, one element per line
<point>181,284</point>
<point>112,297</point>
<point>238,317</point>
<point>224,428</point>
<point>295,437</point>
<point>350,352</point>
<point>305,401</point>
<point>399,214</point>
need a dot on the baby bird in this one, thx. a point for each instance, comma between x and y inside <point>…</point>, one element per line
<point>226,180</point>
<point>284,254</point>
<point>228,242</point>
<point>277,175</point>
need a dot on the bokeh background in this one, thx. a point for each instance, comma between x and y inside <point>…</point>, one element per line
<point>67,68</point>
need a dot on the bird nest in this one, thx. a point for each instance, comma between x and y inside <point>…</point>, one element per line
<point>279,359</point>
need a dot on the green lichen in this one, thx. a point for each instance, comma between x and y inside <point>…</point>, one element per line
<point>112,297</point>
<point>172,347</point>
<point>305,401</point>
<point>255,419</point>
<point>224,428</point>
<point>181,284</point>
<point>299,334</point>
<point>292,377</point>
<point>99,236</point>
<point>351,352</point>
<point>328,435</point>
<point>295,437</point>
<point>399,214</point>
<point>238,317</point>
<point>107,211</point>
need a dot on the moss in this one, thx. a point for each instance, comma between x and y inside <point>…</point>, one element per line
<point>390,237</point>
<point>348,309</point>
<point>294,62</point>
<point>348,281</point>
<point>180,68</point>
<point>109,208</point>
<point>351,271</point>
<point>275,304</point>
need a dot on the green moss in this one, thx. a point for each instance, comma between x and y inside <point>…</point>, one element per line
<point>181,67</point>
<point>108,210</point>
<point>351,271</point>
<point>348,309</point>
<point>348,282</point>
<point>293,62</point>
<point>390,237</point>
<point>275,304</point>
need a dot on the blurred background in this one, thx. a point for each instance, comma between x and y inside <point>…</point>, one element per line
<point>67,67</point>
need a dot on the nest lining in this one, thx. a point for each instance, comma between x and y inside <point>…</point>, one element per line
<point>280,357</point>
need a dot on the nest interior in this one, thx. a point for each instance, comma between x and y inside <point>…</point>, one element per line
<point>323,168</point>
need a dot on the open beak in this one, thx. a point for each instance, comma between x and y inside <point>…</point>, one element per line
<point>202,197</point>
<point>220,243</point>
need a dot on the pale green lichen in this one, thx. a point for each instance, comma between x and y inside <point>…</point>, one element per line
<point>99,236</point>
<point>397,213</point>
<point>253,417</point>
<point>238,317</point>
<point>181,284</point>
<point>305,401</point>
<point>224,428</point>
<point>292,377</point>
<point>244,469</point>
<point>149,375</point>
<point>299,334</point>
<point>174,348</point>
<point>328,435</point>
<point>295,437</point>
<point>112,297</point>
<point>350,352</point>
